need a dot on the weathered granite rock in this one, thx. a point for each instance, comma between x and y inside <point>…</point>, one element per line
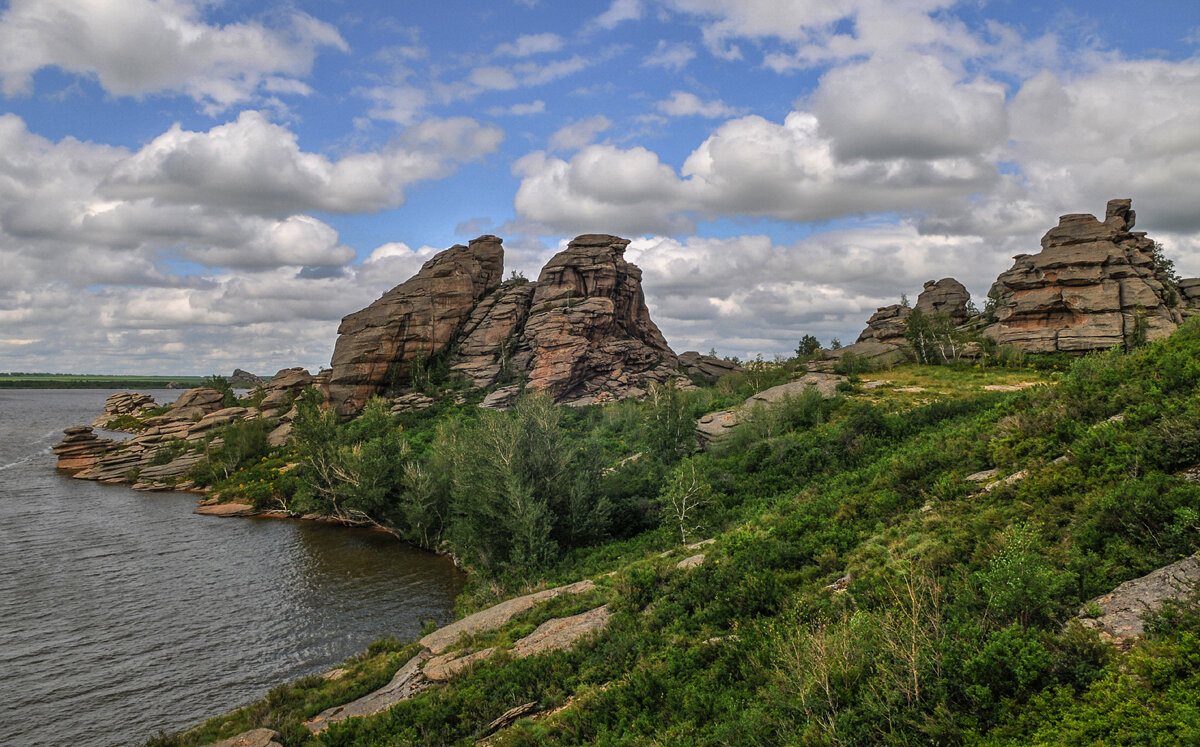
<point>580,331</point>
<point>589,329</point>
<point>81,449</point>
<point>706,366</point>
<point>1189,291</point>
<point>945,296</point>
<point>252,738</point>
<point>419,317</point>
<point>283,388</point>
<point>432,664</point>
<point>716,426</point>
<point>493,617</point>
<point>123,403</point>
<point>243,379</point>
<point>1124,607</point>
<point>886,325</point>
<point>1093,286</point>
<point>493,332</point>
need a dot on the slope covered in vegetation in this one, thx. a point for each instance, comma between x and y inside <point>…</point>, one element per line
<point>860,589</point>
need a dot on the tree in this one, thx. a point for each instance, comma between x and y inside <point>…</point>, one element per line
<point>808,347</point>
<point>835,344</point>
<point>670,429</point>
<point>686,496</point>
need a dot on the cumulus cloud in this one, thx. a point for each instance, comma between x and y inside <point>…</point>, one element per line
<point>908,106</point>
<point>747,294</point>
<point>140,47</point>
<point>254,165</point>
<point>166,271</point>
<point>749,166</point>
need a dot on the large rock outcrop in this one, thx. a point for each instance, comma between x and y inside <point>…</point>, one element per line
<point>418,318</point>
<point>589,329</point>
<point>1093,286</point>
<point>580,330</point>
<point>883,343</point>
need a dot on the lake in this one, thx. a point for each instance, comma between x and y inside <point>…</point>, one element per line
<point>122,613</point>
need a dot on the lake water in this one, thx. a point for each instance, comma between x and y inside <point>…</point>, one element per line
<point>122,613</point>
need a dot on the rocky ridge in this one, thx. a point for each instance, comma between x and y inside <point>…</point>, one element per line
<point>166,446</point>
<point>580,330</point>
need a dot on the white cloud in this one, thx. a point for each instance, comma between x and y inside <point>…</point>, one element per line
<point>748,167</point>
<point>908,106</point>
<point>519,109</point>
<point>140,47</point>
<point>526,45</point>
<point>683,104</point>
<point>672,56</point>
<point>578,134</point>
<point>253,165</point>
<point>618,12</point>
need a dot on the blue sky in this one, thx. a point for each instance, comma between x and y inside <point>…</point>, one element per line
<point>192,185</point>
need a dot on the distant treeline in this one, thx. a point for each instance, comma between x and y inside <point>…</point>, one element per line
<point>91,381</point>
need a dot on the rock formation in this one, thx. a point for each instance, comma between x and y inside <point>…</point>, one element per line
<point>706,366</point>
<point>243,379</point>
<point>167,446</point>
<point>1093,286</point>
<point>417,319</point>
<point>123,403</point>
<point>716,426</point>
<point>883,342</point>
<point>589,329</point>
<point>582,329</point>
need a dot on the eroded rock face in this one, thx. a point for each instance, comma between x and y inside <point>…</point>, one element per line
<point>581,330</point>
<point>1094,285</point>
<point>419,317</point>
<point>589,329</point>
<point>945,296</point>
<point>693,363</point>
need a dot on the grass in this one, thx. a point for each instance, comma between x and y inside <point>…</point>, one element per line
<point>92,381</point>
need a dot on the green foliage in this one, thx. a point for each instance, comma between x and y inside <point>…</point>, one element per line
<point>808,347</point>
<point>222,385</point>
<point>851,364</point>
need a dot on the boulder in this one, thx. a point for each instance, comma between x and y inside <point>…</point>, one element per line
<point>716,426</point>
<point>1094,285</point>
<point>1189,291</point>
<point>708,367</point>
<point>946,296</point>
<point>1124,608</point>
<point>420,317</point>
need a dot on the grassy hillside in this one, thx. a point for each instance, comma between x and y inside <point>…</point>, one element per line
<point>861,589</point>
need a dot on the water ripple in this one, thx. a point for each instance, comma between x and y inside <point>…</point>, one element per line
<point>121,613</point>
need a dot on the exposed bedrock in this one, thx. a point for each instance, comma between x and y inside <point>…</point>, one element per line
<point>1094,285</point>
<point>581,329</point>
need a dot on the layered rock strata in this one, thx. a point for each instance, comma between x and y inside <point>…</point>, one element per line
<point>707,367</point>
<point>165,447</point>
<point>580,331</point>
<point>123,403</point>
<point>1094,285</point>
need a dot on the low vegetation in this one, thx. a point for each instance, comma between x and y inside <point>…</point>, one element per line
<point>861,589</point>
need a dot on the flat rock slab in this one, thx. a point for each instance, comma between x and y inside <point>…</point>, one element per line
<point>561,632</point>
<point>252,738</point>
<point>227,509</point>
<point>1125,605</point>
<point>493,617</point>
<point>446,666</point>
<point>407,682</point>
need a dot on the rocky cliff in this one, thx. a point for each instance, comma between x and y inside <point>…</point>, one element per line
<point>1094,285</point>
<point>581,329</point>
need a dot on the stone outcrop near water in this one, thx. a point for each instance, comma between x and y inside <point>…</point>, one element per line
<point>1093,286</point>
<point>166,446</point>
<point>580,330</point>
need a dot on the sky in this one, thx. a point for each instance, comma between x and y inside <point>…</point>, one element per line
<point>189,186</point>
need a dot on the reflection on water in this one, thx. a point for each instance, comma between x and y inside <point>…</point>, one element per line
<point>122,613</point>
